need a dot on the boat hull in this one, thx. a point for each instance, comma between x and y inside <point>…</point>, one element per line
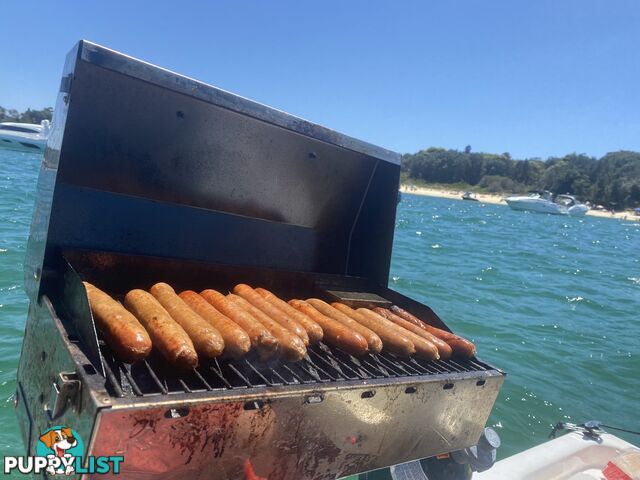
<point>541,205</point>
<point>24,143</point>
<point>537,205</point>
<point>570,457</point>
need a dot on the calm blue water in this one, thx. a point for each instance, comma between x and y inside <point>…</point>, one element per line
<point>553,301</point>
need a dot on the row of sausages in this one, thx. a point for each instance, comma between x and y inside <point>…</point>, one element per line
<point>189,325</point>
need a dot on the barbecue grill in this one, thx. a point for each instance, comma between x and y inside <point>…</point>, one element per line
<point>151,176</point>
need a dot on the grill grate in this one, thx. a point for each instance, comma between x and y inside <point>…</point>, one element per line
<point>323,364</point>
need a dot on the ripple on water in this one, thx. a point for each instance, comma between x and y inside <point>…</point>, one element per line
<point>549,310</point>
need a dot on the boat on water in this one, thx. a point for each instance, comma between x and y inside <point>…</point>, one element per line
<point>587,452</point>
<point>469,196</point>
<point>546,202</point>
<point>26,137</point>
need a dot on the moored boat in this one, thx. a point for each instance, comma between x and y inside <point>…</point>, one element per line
<point>545,202</point>
<point>469,196</point>
<point>24,136</point>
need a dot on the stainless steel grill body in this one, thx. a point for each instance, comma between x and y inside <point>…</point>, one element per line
<point>150,176</point>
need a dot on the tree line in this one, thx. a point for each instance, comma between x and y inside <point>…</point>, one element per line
<point>612,180</point>
<point>28,116</point>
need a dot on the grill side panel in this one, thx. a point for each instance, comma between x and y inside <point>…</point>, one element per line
<point>319,434</point>
<point>47,351</point>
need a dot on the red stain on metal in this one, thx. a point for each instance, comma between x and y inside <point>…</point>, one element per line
<point>249,472</point>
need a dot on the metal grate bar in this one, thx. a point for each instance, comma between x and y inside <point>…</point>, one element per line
<point>385,366</point>
<point>311,372</point>
<point>218,373</point>
<point>320,369</point>
<point>372,372</point>
<point>393,360</point>
<point>275,372</point>
<point>457,366</point>
<point>329,364</point>
<point>254,369</point>
<point>204,382</point>
<point>112,380</point>
<point>132,382</point>
<point>382,371</point>
<point>344,365</point>
<point>240,375</point>
<point>155,378</point>
<point>185,386</point>
<point>286,367</point>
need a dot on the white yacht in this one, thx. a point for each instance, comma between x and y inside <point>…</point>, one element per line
<point>24,136</point>
<point>544,202</point>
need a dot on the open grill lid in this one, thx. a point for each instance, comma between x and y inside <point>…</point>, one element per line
<point>145,161</point>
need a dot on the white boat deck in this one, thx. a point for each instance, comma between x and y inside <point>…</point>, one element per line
<point>569,457</point>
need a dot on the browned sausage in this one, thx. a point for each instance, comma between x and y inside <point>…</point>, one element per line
<point>444,350</point>
<point>166,334</point>
<point>255,299</point>
<point>205,337</point>
<point>291,346</point>
<point>261,339</point>
<point>314,331</point>
<point>374,341</point>
<point>424,348</point>
<point>236,340</point>
<point>392,340</point>
<point>460,346</point>
<point>121,330</point>
<point>335,333</point>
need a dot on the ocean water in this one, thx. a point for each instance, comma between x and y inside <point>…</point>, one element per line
<point>553,301</point>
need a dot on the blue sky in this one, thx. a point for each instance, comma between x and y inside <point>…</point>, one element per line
<point>531,78</point>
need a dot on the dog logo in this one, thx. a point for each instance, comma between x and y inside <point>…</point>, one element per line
<point>60,451</point>
<point>63,443</point>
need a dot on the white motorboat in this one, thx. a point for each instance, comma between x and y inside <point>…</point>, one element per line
<point>587,452</point>
<point>574,456</point>
<point>24,136</point>
<point>544,202</point>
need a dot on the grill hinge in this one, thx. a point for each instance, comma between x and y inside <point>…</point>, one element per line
<point>65,83</point>
<point>65,392</point>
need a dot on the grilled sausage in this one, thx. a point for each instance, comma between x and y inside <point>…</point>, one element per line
<point>460,346</point>
<point>206,339</point>
<point>335,333</point>
<point>424,348</point>
<point>291,346</point>
<point>121,330</point>
<point>261,339</point>
<point>374,341</point>
<point>392,340</point>
<point>255,299</point>
<point>444,350</point>
<point>166,334</point>
<point>314,331</point>
<point>236,340</point>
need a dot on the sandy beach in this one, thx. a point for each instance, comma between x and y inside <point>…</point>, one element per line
<point>498,200</point>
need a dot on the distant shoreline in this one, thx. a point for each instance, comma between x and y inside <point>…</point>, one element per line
<point>495,199</point>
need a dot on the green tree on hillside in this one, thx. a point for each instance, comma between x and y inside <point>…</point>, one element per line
<point>613,180</point>
<point>29,116</point>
